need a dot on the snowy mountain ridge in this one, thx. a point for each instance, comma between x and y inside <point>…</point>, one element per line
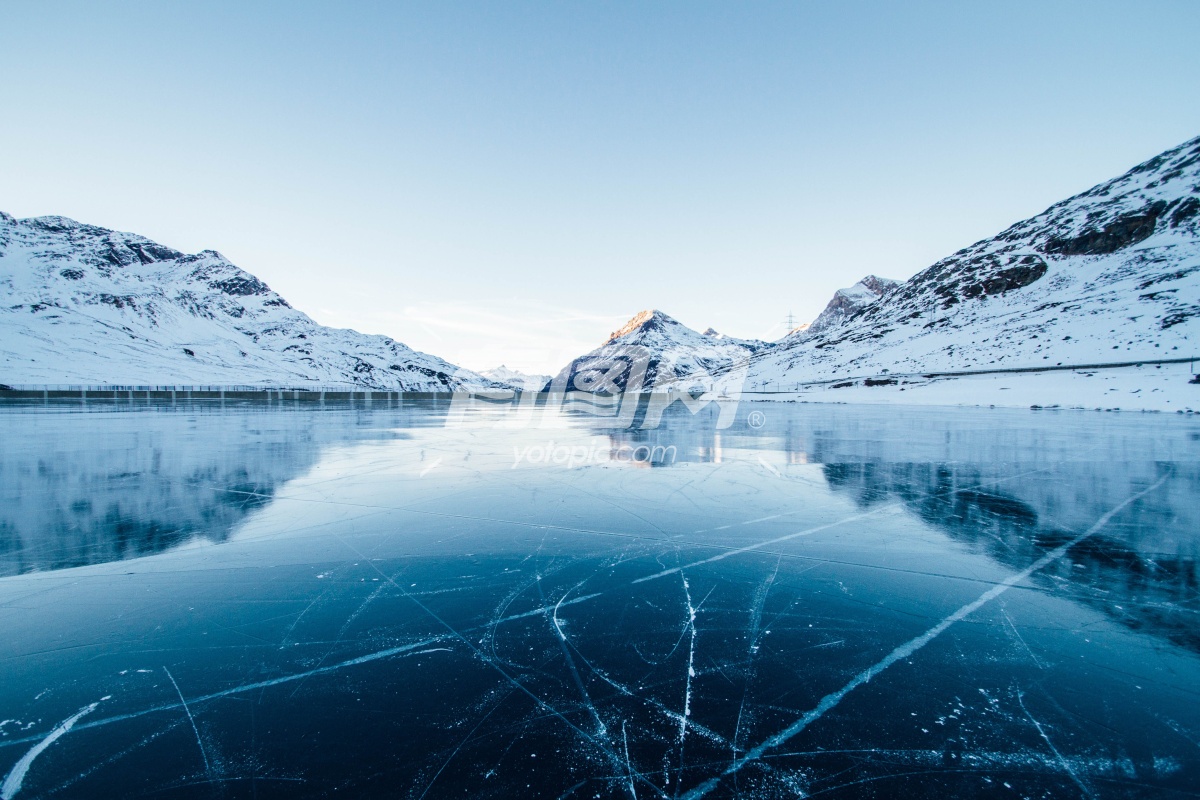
<point>670,349</point>
<point>848,302</point>
<point>513,377</point>
<point>688,352</point>
<point>1109,275</point>
<point>87,305</point>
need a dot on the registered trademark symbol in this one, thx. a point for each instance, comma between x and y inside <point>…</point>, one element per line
<point>756,419</point>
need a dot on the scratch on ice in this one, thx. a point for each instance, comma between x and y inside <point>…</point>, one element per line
<point>12,783</point>
<point>910,647</point>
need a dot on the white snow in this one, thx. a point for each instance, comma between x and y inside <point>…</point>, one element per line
<point>1103,288</point>
<point>675,350</point>
<point>1109,276</point>
<point>513,377</point>
<point>88,306</point>
<point>845,304</point>
<point>1149,387</point>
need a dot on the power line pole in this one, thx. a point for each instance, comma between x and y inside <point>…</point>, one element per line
<point>790,321</point>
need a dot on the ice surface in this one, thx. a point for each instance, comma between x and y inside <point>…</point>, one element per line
<point>848,600</point>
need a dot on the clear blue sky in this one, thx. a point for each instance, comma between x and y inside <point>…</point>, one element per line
<point>509,181</point>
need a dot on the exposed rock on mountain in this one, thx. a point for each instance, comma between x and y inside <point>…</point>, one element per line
<point>848,302</point>
<point>654,349</point>
<point>86,305</point>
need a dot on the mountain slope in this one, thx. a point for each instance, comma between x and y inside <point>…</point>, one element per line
<point>669,350</point>
<point>1110,275</point>
<point>86,305</point>
<point>848,302</point>
<point>513,377</point>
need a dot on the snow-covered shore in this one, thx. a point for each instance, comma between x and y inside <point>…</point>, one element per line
<point>1150,387</point>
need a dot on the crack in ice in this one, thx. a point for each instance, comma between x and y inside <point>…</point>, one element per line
<point>408,649</point>
<point>1045,738</point>
<point>191,719</point>
<point>16,776</point>
<point>905,650</point>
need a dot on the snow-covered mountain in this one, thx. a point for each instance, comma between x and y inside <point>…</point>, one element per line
<point>1110,275</point>
<point>512,377</point>
<point>667,349</point>
<point>848,302</point>
<point>86,305</point>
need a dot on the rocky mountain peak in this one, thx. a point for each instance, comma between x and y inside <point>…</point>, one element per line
<point>848,302</point>
<point>54,223</point>
<point>878,285</point>
<point>643,322</point>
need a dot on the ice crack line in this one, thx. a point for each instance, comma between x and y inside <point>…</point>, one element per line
<point>760,545</point>
<point>595,741</point>
<point>12,784</point>
<point>691,665</point>
<point>905,650</point>
<point>727,553</point>
<point>408,649</point>
<point>552,617</point>
<point>628,766</point>
<point>191,719</point>
<point>1061,761</point>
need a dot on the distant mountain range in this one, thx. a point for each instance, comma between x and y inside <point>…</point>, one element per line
<point>86,305</point>
<point>1111,275</point>
<point>512,377</point>
<point>669,349</point>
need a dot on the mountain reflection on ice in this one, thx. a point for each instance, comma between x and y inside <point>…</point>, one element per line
<point>266,601</point>
<point>85,488</point>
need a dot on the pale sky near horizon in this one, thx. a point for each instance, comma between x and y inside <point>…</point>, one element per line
<point>509,182</point>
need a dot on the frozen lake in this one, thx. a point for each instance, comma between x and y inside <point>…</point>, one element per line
<point>262,601</point>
